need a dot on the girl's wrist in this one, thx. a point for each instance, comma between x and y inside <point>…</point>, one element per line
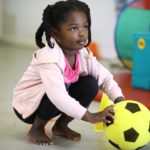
<point>119,99</point>
<point>87,116</point>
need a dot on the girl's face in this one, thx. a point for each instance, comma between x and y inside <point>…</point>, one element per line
<point>73,33</point>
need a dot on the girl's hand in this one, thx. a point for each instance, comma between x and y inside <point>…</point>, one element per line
<point>104,116</point>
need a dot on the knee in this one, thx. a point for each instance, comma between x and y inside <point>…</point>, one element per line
<point>90,84</point>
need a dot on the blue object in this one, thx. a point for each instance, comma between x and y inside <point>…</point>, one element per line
<point>141,61</point>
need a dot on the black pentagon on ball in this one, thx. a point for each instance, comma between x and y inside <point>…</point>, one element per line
<point>132,107</point>
<point>131,135</point>
<point>114,144</point>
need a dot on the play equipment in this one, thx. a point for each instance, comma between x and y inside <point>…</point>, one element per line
<point>130,129</point>
<point>141,61</point>
<point>94,48</point>
<point>105,101</point>
<point>135,17</point>
<point>98,97</point>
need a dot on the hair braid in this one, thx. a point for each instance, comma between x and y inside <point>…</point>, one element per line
<point>38,36</point>
<point>48,19</point>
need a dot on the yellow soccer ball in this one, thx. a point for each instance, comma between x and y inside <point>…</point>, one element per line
<point>130,130</point>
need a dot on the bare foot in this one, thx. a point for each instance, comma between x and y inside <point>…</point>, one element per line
<point>66,132</point>
<point>39,137</point>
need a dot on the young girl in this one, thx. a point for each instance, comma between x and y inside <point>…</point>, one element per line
<point>63,77</point>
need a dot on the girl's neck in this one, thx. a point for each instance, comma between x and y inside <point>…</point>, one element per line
<point>69,53</point>
<point>71,57</point>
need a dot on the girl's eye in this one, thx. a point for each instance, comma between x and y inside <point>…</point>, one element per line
<point>74,29</point>
<point>86,27</point>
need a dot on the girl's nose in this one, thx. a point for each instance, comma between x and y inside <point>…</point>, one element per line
<point>82,33</point>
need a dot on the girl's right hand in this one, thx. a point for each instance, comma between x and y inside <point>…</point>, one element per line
<point>107,115</point>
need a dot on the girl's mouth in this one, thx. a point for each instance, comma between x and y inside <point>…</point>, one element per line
<point>82,42</point>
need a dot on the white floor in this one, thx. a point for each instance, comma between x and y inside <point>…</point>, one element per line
<point>13,62</point>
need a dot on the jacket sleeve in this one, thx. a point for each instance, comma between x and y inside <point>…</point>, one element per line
<point>53,83</point>
<point>102,75</point>
<point>107,83</point>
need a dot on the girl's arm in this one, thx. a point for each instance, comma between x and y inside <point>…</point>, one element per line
<point>103,76</point>
<point>53,83</point>
<point>108,84</point>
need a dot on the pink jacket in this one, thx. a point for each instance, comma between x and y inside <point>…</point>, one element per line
<point>46,75</point>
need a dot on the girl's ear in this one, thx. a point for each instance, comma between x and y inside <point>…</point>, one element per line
<point>54,33</point>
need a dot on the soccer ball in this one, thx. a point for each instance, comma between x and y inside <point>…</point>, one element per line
<point>130,130</point>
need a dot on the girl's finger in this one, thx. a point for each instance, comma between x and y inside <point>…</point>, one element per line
<point>106,121</point>
<point>110,115</point>
<point>110,109</point>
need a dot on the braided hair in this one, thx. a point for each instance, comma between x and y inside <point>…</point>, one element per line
<point>55,14</point>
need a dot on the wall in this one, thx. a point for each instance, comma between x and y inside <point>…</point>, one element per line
<point>1,18</point>
<point>22,18</point>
